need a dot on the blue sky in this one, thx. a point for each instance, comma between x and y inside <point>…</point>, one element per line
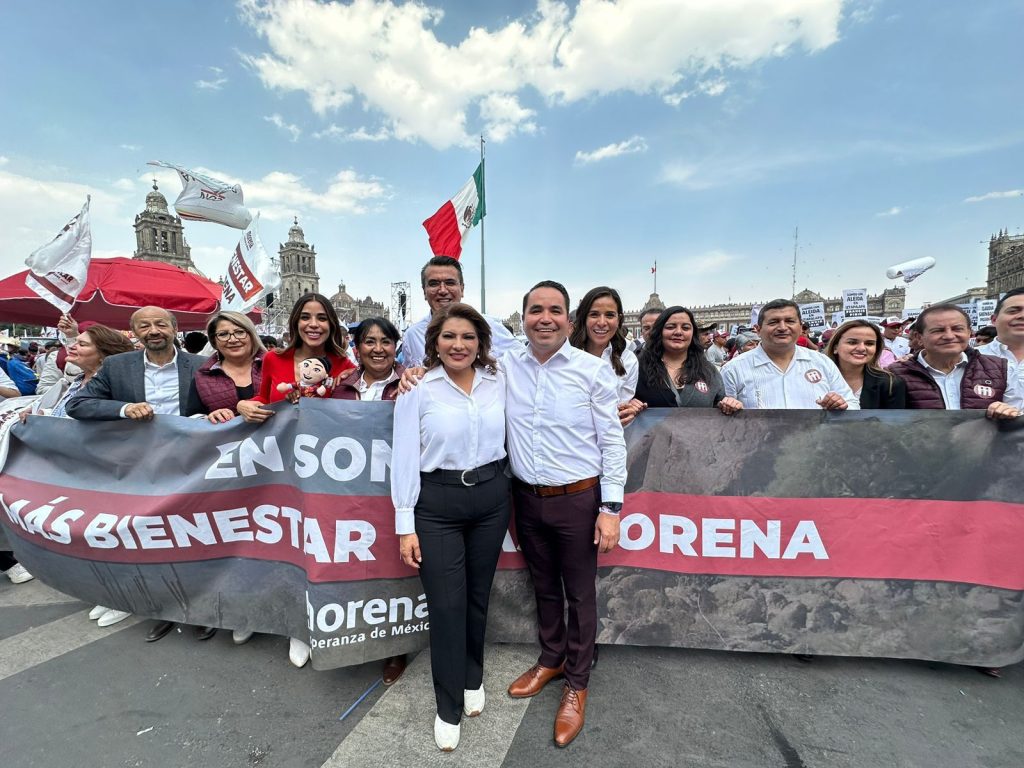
<point>698,133</point>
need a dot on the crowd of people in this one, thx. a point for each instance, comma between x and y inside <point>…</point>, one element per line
<point>484,423</point>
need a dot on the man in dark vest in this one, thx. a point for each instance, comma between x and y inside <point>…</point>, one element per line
<point>948,374</point>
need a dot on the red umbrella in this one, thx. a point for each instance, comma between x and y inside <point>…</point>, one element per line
<point>115,288</point>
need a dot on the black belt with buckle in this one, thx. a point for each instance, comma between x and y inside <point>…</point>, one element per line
<point>464,477</point>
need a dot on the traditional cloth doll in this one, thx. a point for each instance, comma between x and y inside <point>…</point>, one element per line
<point>313,373</point>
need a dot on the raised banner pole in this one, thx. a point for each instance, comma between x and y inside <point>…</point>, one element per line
<point>483,188</point>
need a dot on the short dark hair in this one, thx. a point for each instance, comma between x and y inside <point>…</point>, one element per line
<point>944,307</point>
<point>1009,294</point>
<point>548,284</point>
<point>269,342</point>
<point>440,261</point>
<point>652,311</point>
<point>776,304</point>
<point>367,325</point>
<point>986,330</point>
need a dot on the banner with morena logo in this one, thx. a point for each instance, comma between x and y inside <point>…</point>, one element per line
<point>871,533</point>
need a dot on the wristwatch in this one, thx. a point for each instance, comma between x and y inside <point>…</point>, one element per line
<point>610,507</point>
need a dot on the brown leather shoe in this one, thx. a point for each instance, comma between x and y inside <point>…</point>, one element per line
<point>569,720</point>
<point>533,680</point>
<point>393,669</point>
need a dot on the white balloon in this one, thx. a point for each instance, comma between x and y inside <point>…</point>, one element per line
<point>910,270</point>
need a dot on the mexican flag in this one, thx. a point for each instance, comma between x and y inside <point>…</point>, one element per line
<point>449,227</point>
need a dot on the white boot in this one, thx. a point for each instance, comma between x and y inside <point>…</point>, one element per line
<point>111,617</point>
<point>241,637</point>
<point>98,611</point>
<point>298,652</point>
<point>446,735</point>
<point>473,702</point>
<point>18,575</point>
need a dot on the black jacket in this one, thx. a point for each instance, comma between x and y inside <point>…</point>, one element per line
<point>883,391</point>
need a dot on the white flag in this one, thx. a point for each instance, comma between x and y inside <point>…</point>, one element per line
<point>204,198</point>
<point>58,270</point>
<point>251,272</point>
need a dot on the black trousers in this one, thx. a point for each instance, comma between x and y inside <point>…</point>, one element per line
<point>461,530</point>
<point>7,560</point>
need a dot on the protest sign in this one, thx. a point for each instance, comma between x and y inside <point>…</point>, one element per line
<point>855,302</point>
<point>288,528</point>
<point>985,308</point>
<point>814,315</point>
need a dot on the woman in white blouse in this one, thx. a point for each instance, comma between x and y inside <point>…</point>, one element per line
<point>451,498</point>
<point>599,329</point>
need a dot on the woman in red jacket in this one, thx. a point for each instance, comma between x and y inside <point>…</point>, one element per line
<point>314,331</point>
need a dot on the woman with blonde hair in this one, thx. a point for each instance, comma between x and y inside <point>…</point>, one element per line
<point>232,373</point>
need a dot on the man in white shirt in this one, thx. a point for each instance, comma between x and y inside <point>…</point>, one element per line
<point>716,353</point>
<point>441,278</point>
<point>1009,343</point>
<point>568,459</point>
<point>895,345</point>
<point>781,375</point>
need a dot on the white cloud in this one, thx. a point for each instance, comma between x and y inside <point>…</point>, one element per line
<point>896,210</point>
<point>124,185</point>
<point>628,147</point>
<point>390,58</point>
<point>712,88</point>
<point>131,147</point>
<point>289,128</point>
<point>4,160</point>
<point>338,133</point>
<point>995,196</point>
<point>504,116</point>
<point>214,83</point>
<point>211,85</point>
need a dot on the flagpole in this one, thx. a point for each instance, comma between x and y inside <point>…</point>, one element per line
<point>655,275</point>
<point>483,188</point>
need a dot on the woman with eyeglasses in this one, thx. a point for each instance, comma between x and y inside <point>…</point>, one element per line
<point>233,371</point>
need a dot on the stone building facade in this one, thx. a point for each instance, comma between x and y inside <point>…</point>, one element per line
<point>889,302</point>
<point>298,268</point>
<point>352,310</point>
<point>160,236</point>
<point>1005,263</point>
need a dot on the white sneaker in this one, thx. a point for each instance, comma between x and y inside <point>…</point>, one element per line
<point>18,575</point>
<point>241,637</point>
<point>446,735</point>
<point>111,617</point>
<point>298,652</point>
<point>98,611</point>
<point>473,702</point>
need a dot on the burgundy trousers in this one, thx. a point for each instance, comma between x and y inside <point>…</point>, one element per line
<point>556,535</point>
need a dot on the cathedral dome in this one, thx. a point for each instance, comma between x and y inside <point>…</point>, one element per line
<point>295,233</point>
<point>156,202</point>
